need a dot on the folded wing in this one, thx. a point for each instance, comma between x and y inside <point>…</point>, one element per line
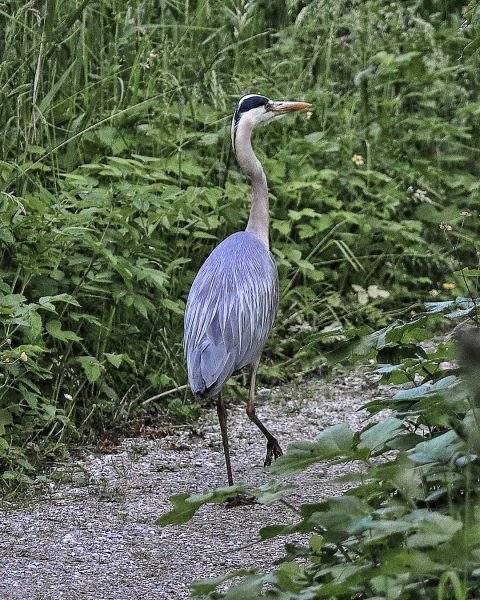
<point>230,311</point>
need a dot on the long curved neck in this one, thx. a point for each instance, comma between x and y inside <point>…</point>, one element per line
<point>258,221</point>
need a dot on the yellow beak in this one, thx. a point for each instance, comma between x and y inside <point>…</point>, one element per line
<point>285,106</point>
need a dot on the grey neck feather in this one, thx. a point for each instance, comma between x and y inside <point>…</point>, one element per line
<point>258,221</point>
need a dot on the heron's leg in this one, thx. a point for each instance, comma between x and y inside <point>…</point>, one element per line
<point>273,447</point>
<point>222,419</point>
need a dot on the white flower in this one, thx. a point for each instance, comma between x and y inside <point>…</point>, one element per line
<point>421,196</point>
<point>300,328</point>
<point>373,292</point>
<point>335,326</point>
<point>358,160</point>
<point>362,295</point>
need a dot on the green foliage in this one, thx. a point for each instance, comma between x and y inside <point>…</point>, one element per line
<point>185,505</point>
<point>116,181</point>
<point>409,525</point>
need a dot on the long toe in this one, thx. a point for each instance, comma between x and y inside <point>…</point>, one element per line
<point>268,459</point>
<point>273,452</point>
<point>277,451</point>
<point>240,500</point>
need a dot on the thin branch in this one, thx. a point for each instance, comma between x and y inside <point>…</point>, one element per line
<point>166,393</point>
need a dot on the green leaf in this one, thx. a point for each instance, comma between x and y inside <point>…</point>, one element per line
<point>316,543</point>
<point>333,442</point>
<point>282,226</point>
<point>400,561</point>
<point>12,300</point>
<point>5,417</point>
<point>374,438</point>
<point>433,528</point>
<point>272,491</point>
<point>289,576</point>
<point>111,138</point>
<point>54,328</point>
<point>184,506</point>
<point>426,389</point>
<point>271,531</point>
<point>468,272</point>
<point>35,322</point>
<point>176,307</point>
<point>447,580</point>
<point>114,359</point>
<point>6,236</point>
<point>439,449</point>
<point>91,366</point>
<point>48,301</point>
<point>202,587</point>
<point>339,517</point>
<point>249,589</point>
<point>154,276</point>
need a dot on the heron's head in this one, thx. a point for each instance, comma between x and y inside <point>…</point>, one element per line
<point>253,110</point>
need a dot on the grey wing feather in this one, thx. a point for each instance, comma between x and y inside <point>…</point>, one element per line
<point>230,311</point>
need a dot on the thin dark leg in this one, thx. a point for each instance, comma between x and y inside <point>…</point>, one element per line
<point>222,419</point>
<point>273,447</point>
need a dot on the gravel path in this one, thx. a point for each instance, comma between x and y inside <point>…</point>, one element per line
<point>92,535</point>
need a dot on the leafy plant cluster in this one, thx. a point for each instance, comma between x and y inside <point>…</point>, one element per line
<point>409,525</point>
<point>116,180</point>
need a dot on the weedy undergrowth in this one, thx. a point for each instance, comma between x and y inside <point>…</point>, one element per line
<point>409,525</point>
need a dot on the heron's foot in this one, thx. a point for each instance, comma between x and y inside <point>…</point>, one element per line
<point>273,452</point>
<point>240,500</point>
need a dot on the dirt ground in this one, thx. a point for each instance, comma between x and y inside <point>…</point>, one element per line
<point>92,534</point>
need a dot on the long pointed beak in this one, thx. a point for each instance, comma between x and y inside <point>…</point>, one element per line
<point>283,106</point>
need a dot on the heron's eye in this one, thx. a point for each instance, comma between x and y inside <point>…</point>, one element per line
<point>268,106</point>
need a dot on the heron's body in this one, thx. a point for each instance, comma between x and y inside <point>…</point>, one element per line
<point>232,304</point>
<point>230,311</point>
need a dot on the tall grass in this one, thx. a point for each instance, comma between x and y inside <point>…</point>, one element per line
<point>117,180</point>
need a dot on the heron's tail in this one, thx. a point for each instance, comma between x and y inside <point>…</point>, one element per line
<point>209,366</point>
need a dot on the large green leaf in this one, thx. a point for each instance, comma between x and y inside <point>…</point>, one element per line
<point>184,506</point>
<point>91,366</point>
<point>48,302</point>
<point>374,438</point>
<point>414,393</point>
<point>439,449</point>
<point>201,587</point>
<point>338,517</point>
<point>333,442</point>
<point>54,328</point>
<point>432,528</point>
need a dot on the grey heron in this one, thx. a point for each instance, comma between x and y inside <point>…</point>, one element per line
<point>233,300</point>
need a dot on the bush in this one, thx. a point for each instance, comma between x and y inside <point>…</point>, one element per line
<point>409,526</point>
